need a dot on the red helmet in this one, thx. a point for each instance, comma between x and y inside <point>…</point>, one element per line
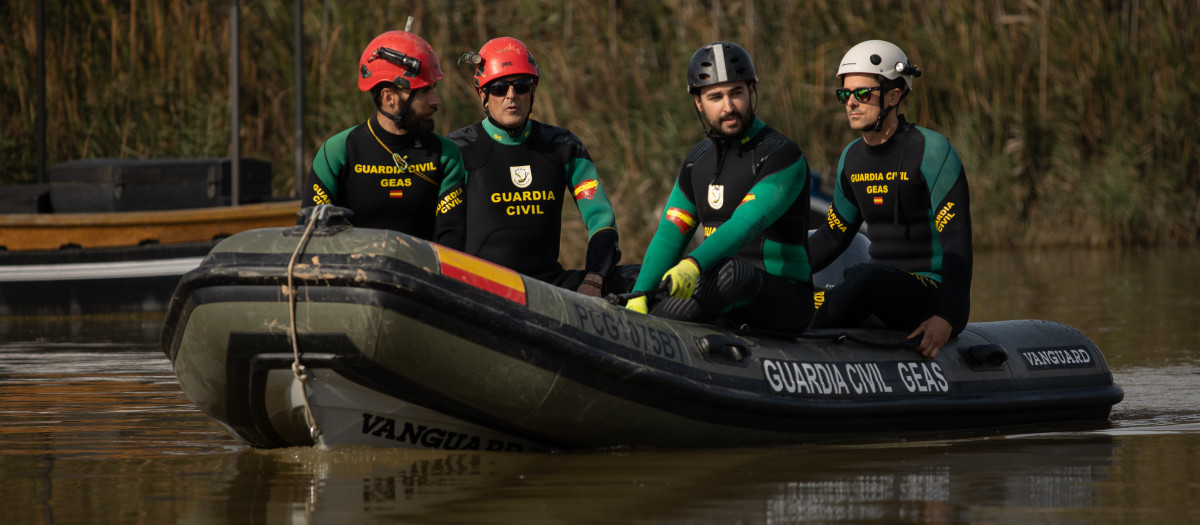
<point>399,57</point>
<point>501,57</point>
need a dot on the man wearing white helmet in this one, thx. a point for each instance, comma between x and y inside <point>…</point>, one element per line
<point>907,184</point>
<point>746,187</point>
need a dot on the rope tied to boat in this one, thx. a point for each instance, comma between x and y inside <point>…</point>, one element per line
<point>298,369</point>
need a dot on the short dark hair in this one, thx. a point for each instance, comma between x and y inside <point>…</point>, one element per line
<point>889,84</point>
<point>377,92</point>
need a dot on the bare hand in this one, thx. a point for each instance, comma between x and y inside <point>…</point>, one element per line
<point>935,331</point>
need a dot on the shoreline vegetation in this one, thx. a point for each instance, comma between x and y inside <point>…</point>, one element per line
<point>1075,120</point>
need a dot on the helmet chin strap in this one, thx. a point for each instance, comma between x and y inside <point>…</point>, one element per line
<point>399,118</point>
<point>883,114</point>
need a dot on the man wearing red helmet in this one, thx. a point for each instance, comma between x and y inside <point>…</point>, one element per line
<point>907,184</point>
<point>507,206</point>
<point>389,169</point>
<point>747,188</point>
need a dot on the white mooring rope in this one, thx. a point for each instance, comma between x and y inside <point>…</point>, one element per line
<point>298,369</point>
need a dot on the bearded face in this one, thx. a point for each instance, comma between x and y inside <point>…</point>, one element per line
<point>726,107</point>
<point>419,117</point>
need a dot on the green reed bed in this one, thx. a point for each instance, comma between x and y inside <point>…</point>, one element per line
<point>1075,120</point>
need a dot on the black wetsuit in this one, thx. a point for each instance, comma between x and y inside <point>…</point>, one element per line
<point>507,205</point>
<point>389,181</point>
<point>911,191</point>
<point>750,195</point>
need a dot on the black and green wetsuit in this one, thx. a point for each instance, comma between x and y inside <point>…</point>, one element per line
<point>506,206</point>
<point>911,192</point>
<point>750,195</point>
<point>389,181</point>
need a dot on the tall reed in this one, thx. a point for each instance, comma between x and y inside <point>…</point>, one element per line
<point>1073,119</point>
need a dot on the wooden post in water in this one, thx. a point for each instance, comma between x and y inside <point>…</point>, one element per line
<point>40,125</point>
<point>234,79</point>
<point>297,48</point>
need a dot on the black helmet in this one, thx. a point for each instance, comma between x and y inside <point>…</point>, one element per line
<point>717,63</point>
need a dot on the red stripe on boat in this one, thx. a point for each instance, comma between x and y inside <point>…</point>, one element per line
<point>481,274</point>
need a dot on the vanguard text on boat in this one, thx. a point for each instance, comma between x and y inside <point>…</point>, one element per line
<point>402,342</point>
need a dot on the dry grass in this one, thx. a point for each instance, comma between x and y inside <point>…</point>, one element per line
<point>1073,118</point>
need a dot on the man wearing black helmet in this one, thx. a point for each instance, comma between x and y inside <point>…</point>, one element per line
<point>389,169</point>
<point>907,184</point>
<point>747,186</point>
<point>506,207</point>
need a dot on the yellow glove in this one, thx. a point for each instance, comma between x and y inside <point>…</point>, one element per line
<point>683,278</point>
<point>638,304</point>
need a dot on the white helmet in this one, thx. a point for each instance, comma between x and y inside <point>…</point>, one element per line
<point>877,57</point>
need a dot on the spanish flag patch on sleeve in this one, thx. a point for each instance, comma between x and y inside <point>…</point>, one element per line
<point>586,189</point>
<point>682,219</point>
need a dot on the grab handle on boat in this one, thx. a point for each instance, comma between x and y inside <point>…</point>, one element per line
<point>327,219</point>
<point>723,348</point>
<point>985,357</point>
<point>619,299</point>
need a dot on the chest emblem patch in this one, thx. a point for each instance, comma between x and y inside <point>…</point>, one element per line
<point>716,196</point>
<point>522,176</point>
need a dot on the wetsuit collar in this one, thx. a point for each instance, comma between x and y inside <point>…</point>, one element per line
<point>501,135</point>
<point>752,132</point>
<point>383,134</point>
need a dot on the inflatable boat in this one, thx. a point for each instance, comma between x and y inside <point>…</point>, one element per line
<point>326,334</point>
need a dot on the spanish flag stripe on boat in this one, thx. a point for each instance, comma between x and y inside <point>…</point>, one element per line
<point>481,274</point>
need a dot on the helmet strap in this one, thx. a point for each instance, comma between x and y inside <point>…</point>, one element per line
<point>708,131</point>
<point>399,117</point>
<point>883,114</point>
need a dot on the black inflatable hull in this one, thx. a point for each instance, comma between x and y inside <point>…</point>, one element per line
<point>401,342</point>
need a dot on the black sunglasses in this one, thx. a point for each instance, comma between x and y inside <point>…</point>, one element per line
<point>499,88</point>
<point>863,94</point>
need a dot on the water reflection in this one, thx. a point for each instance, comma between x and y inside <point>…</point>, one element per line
<point>1071,477</point>
<point>352,485</point>
<point>118,331</point>
<point>930,482</point>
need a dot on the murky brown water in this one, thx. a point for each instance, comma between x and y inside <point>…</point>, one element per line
<point>93,428</point>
